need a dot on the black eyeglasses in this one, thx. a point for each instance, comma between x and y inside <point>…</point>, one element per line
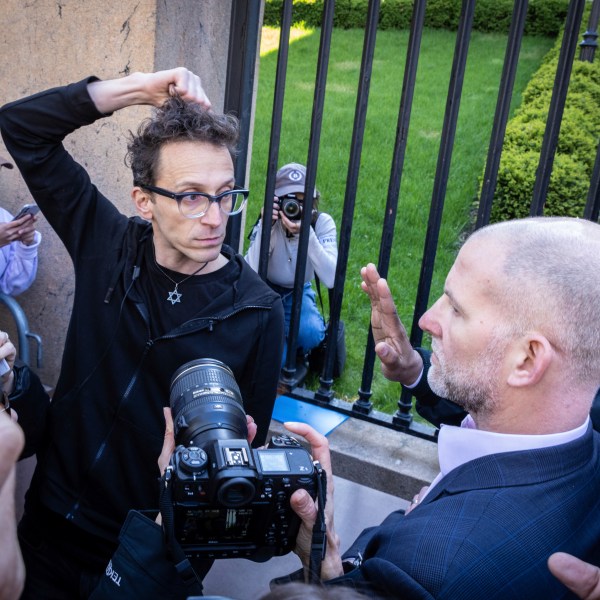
<point>194,205</point>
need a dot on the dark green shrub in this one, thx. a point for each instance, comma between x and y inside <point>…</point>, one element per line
<point>395,14</point>
<point>545,17</point>
<point>577,134</point>
<point>272,15</point>
<point>492,15</point>
<point>309,12</point>
<point>567,191</point>
<point>350,14</point>
<point>577,143</point>
<point>442,14</point>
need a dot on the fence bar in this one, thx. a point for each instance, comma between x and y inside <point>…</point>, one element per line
<point>239,89</point>
<point>289,369</point>
<point>589,44</point>
<point>427,432</point>
<point>325,392</point>
<point>443,166</point>
<point>362,408</point>
<point>278,96</point>
<point>557,105</point>
<point>592,207</point>
<point>363,405</point>
<point>511,59</point>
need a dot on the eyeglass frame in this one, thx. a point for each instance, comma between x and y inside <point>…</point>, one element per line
<point>179,196</point>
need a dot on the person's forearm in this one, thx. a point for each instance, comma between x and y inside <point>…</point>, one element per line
<point>322,249</point>
<point>324,261</point>
<point>113,94</point>
<point>147,88</point>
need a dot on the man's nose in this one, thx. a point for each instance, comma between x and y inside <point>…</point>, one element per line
<point>213,216</point>
<point>429,321</point>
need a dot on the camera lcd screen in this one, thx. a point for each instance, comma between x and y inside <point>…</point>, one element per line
<point>273,461</point>
<point>205,526</point>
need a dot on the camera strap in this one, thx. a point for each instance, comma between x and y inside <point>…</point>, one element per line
<point>318,544</point>
<point>174,550</point>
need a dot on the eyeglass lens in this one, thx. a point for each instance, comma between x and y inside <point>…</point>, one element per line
<point>196,204</point>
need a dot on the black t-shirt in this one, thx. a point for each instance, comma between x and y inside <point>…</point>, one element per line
<point>197,292</point>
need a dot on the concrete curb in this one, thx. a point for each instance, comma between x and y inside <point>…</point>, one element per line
<point>380,458</point>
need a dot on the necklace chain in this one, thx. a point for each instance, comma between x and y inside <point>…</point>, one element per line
<point>175,295</point>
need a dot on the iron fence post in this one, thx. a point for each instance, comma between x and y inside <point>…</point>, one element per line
<point>589,44</point>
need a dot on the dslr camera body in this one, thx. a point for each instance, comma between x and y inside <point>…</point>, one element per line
<point>228,499</point>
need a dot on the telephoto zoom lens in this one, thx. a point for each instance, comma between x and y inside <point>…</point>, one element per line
<point>206,403</point>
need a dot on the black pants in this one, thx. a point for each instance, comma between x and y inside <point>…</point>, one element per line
<point>62,561</point>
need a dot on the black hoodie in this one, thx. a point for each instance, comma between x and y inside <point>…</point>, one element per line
<point>106,424</point>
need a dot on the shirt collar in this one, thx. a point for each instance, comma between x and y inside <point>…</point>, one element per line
<point>458,445</point>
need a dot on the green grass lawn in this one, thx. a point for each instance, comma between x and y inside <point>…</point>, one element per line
<point>486,55</point>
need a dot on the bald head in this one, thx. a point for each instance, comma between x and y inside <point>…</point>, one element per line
<point>549,281</point>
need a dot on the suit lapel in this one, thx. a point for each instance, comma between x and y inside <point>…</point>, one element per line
<point>516,468</point>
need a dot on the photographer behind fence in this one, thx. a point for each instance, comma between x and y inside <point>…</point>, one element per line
<point>290,183</point>
<point>151,293</point>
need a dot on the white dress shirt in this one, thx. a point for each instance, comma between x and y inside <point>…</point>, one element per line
<point>459,445</point>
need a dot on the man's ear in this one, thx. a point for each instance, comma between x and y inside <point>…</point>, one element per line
<point>532,357</point>
<point>143,203</point>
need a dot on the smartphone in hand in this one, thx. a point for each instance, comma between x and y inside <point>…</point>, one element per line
<point>27,209</point>
<point>4,367</point>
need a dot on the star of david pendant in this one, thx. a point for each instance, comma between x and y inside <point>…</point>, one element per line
<point>174,296</point>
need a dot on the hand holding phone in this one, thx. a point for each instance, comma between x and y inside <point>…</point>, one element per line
<point>27,209</point>
<point>4,367</point>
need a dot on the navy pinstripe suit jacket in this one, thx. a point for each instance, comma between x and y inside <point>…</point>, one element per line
<point>486,530</point>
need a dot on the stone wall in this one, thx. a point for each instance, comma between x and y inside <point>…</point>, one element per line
<point>46,43</point>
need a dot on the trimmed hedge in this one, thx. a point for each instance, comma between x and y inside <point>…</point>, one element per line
<point>577,143</point>
<point>545,17</point>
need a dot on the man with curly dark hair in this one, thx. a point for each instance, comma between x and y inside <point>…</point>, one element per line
<point>151,294</point>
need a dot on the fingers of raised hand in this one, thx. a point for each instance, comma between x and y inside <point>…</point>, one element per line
<point>188,86</point>
<point>369,276</point>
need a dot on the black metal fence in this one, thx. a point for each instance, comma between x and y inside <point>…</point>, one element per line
<point>240,85</point>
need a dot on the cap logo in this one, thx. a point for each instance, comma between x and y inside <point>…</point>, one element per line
<point>295,176</point>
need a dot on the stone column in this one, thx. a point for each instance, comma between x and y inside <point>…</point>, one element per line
<point>46,43</point>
